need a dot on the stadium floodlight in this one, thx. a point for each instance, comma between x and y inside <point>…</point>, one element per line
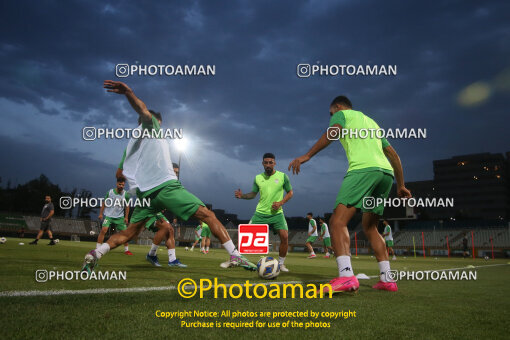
<point>181,144</point>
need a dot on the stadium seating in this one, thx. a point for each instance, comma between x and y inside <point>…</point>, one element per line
<point>434,237</point>
<point>62,225</point>
<point>500,236</point>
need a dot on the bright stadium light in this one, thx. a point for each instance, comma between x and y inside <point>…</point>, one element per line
<point>181,144</point>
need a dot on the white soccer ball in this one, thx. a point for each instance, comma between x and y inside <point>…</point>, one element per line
<point>89,258</point>
<point>3,240</point>
<point>268,267</point>
<point>186,248</point>
<point>92,233</point>
<point>486,258</point>
<point>57,240</point>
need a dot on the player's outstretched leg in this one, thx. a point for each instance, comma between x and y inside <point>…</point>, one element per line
<point>197,240</point>
<point>369,223</point>
<point>218,230</point>
<point>113,242</point>
<point>346,281</point>
<point>38,237</point>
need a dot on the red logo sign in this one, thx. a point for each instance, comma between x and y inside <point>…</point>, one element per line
<point>253,239</point>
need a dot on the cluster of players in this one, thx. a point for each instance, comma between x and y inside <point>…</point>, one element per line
<point>146,166</point>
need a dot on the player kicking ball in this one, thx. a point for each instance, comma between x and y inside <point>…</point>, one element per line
<point>325,238</point>
<point>157,223</point>
<point>148,164</point>
<point>373,164</point>
<point>271,184</point>
<point>115,214</point>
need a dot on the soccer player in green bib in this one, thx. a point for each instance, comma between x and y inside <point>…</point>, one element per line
<point>205,234</point>
<point>116,214</point>
<point>271,184</point>
<point>373,165</point>
<point>148,165</point>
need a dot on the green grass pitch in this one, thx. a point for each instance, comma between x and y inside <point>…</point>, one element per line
<point>420,309</point>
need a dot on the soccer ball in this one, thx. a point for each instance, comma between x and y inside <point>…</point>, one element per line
<point>3,240</point>
<point>92,233</point>
<point>486,258</point>
<point>57,240</point>
<point>89,258</point>
<point>186,248</point>
<point>268,268</point>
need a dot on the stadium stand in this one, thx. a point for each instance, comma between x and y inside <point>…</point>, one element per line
<point>435,233</point>
<point>63,226</point>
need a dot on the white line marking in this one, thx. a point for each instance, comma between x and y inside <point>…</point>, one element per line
<point>84,291</point>
<point>148,289</point>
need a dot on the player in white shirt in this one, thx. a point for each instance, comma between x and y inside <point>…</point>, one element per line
<point>312,235</point>
<point>116,214</point>
<point>325,237</point>
<point>388,238</point>
<point>149,166</point>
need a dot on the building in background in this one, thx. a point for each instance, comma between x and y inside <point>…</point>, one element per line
<point>478,183</point>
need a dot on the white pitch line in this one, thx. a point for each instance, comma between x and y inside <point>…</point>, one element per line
<point>125,290</point>
<point>83,291</point>
<point>148,289</point>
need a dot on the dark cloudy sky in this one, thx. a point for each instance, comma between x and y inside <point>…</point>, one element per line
<point>453,79</point>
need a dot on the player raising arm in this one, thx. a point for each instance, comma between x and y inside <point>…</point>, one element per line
<point>271,184</point>
<point>373,165</point>
<point>148,164</point>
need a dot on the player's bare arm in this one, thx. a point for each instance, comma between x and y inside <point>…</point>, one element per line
<point>119,174</point>
<point>239,194</point>
<point>322,143</point>
<point>278,205</point>
<point>49,216</point>
<point>138,105</point>
<point>396,164</point>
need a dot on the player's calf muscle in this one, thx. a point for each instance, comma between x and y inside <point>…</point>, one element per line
<point>207,216</point>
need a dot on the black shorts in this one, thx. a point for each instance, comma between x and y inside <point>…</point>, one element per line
<point>45,225</point>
